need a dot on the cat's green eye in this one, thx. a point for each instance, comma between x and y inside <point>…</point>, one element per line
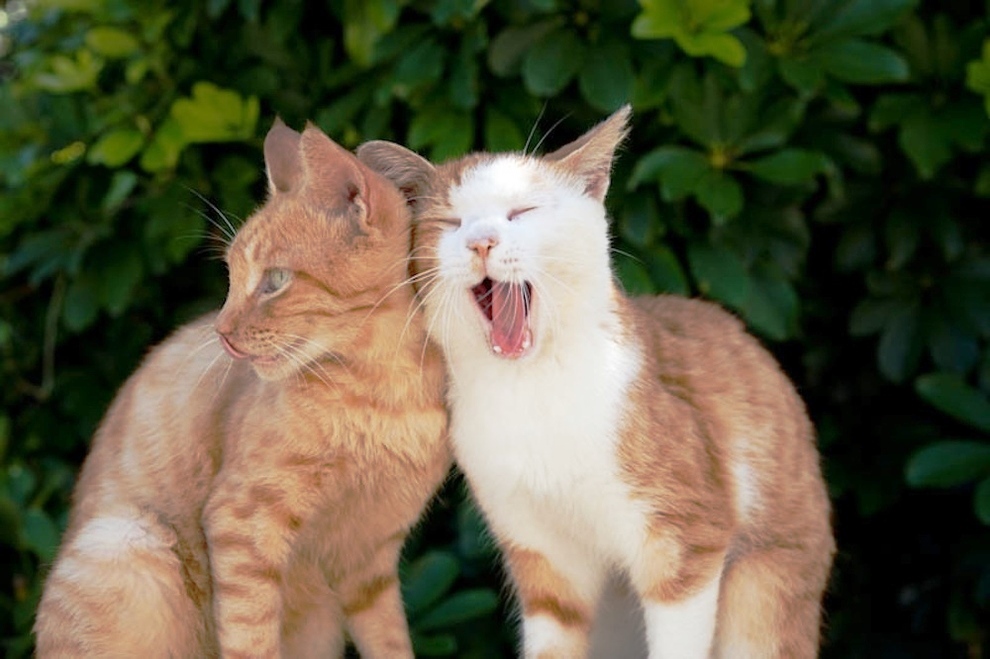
<point>275,279</point>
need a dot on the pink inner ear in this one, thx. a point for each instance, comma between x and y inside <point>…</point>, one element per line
<point>283,159</point>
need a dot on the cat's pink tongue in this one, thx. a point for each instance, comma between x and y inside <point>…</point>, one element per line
<point>510,330</point>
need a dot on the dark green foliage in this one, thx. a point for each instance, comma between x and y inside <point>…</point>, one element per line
<point>818,167</point>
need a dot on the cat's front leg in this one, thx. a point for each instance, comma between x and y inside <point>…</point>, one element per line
<point>557,600</point>
<point>678,586</point>
<point>372,602</point>
<point>250,530</point>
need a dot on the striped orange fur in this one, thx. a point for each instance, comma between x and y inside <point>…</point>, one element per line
<point>250,488</point>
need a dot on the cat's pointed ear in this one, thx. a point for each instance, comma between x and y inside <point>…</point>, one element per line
<point>409,171</point>
<point>283,159</point>
<point>335,175</point>
<point>590,156</point>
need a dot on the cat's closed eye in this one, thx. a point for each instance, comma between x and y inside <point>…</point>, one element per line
<point>274,280</point>
<point>516,212</point>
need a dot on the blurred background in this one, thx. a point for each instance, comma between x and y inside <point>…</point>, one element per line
<point>817,166</point>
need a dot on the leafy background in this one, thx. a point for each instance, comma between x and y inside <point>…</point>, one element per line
<point>818,166</point>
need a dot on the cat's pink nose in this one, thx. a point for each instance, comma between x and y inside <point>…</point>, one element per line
<point>482,244</point>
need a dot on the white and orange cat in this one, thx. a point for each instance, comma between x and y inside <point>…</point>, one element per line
<point>608,439</point>
<point>251,486</point>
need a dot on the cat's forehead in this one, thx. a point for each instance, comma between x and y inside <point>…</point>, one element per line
<point>503,179</point>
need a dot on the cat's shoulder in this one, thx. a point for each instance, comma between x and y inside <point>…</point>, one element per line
<point>683,316</point>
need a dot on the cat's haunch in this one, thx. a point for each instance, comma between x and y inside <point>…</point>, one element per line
<point>612,442</point>
<point>250,488</point>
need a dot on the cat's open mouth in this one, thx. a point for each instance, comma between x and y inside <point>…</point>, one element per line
<point>506,306</point>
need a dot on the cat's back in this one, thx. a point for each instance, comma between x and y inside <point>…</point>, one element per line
<point>700,344</point>
<point>739,399</point>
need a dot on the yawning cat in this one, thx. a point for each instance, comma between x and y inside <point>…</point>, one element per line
<point>250,488</point>
<point>650,440</point>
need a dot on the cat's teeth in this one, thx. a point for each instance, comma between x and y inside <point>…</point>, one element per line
<point>526,342</point>
<point>497,349</point>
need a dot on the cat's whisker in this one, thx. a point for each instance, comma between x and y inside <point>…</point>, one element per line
<point>532,131</point>
<point>550,130</point>
<point>318,353</point>
<point>304,362</point>
<point>231,230</point>
<point>209,367</point>
<point>429,277</point>
<point>616,250</point>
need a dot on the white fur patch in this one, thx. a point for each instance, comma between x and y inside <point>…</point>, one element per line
<point>746,487</point>
<point>542,633</point>
<point>109,537</point>
<point>684,629</point>
<point>537,436</point>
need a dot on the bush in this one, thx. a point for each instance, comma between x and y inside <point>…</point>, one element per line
<point>817,167</point>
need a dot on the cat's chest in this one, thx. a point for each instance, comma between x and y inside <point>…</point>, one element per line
<point>542,449</point>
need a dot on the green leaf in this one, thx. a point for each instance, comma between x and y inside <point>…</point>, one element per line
<point>552,63</point>
<point>121,185</point>
<point>857,18</point>
<point>427,579</point>
<point>655,164</point>
<point>948,463</point>
<point>720,194</point>
<point>214,114</point>
<point>699,28</point>
<point>924,143</point>
<point>463,80</point>
<point>66,74</point>
<point>871,314</point>
<point>639,219</point>
<point>981,501</point>
<point>901,345</point>
<point>892,109</point>
<point>666,272</point>
<point>606,80</point>
<point>164,148</point>
<point>111,42</point>
<point>634,276</point>
<point>679,170</point>
<point>862,62</point>
<point>719,273</point>
<point>435,645</point>
<point>501,132</point>
<point>121,270</point>
<point>802,72</point>
<point>81,304</point>
<point>950,394</point>
<point>505,56</point>
<point>724,47</point>
<point>40,534</point>
<point>116,147</point>
<point>460,607</point>
<point>421,65</point>
<point>788,166</point>
<point>771,307</point>
<point>365,22</point>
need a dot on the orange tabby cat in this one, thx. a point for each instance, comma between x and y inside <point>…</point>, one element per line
<point>646,440</point>
<point>251,486</point>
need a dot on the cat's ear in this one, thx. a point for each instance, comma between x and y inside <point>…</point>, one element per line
<point>283,159</point>
<point>590,156</point>
<point>410,172</point>
<point>335,175</point>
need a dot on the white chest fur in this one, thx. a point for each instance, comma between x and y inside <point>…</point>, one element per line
<point>538,441</point>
